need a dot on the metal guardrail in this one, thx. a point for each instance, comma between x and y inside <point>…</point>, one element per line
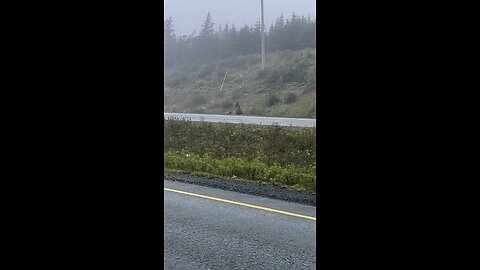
<point>240,119</point>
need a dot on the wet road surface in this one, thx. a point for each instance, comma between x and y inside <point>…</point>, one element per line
<point>207,228</point>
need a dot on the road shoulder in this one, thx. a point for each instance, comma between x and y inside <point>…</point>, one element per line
<point>244,187</point>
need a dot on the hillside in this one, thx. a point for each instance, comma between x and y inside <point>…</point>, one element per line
<point>286,88</point>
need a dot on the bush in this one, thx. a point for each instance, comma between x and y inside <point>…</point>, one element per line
<point>272,99</point>
<point>255,111</point>
<point>311,85</point>
<point>273,76</point>
<point>262,74</point>
<point>295,72</point>
<point>290,97</point>
<point>286,73</point>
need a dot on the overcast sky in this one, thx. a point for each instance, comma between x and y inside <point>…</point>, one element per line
<point>188,15</point>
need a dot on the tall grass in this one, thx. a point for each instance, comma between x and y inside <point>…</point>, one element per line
<point>281,155</point>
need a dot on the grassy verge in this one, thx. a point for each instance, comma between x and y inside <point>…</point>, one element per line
<point>284,156</point>
<point>254,170</point>
<point>286,87</point>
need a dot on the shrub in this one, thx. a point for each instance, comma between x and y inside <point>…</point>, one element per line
<point>255,111</point>
<point>311,85</point>
<point>262,74</point>
<point>273,76</point>
<point>272,99</point>
<point>290,97</point>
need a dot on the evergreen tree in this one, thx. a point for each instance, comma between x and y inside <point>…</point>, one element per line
<point>294,33</point>
<point>248,40</point>
<point>207,27</point>
<point>233,38</point>
<point>169,42</point>
<point>207,44</point>
<point>280,22</point>
<point>168,31</point>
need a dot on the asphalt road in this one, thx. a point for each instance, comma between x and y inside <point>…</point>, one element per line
<point>239,119</point>
<point>204,233</point>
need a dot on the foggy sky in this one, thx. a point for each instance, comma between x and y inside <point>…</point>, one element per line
<point>188,15</point>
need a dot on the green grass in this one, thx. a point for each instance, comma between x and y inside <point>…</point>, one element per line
<point>285,156</point>
<point>290,176</point>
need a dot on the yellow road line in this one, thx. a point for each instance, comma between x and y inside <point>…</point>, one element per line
<point>240,203</point>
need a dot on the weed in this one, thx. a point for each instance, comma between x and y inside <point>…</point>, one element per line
<point>251,169</point>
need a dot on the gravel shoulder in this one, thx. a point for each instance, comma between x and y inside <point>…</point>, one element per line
<point>245,187</point>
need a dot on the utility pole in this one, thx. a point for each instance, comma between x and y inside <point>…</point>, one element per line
<point>263,38</point>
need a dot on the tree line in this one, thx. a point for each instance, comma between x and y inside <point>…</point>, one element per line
<point>294,33</point>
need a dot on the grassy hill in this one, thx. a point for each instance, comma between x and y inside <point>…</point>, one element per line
<point>286,88</point>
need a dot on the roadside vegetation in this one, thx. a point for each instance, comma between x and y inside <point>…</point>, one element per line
<point>284,156</point>
<point>286,88</point>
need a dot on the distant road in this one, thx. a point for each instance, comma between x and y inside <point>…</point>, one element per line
<point>239,119</point>
<point>206,228</point>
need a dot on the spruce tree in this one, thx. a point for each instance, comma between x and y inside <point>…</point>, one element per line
<point>207,27</point>
<point>207,45</point>
<point>169,42</point>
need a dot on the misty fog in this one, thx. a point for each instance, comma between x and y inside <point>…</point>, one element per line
<point>188,15</point>
<point>214,61</point>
